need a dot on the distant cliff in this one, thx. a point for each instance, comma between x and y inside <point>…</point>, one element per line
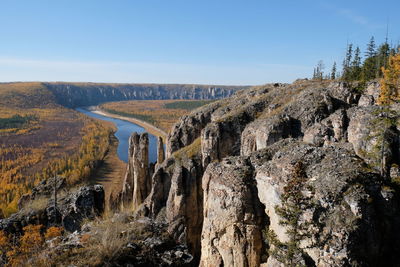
<point>85,94</point>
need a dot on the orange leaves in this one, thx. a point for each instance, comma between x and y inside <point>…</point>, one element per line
<point>32,239</point>
<point>4,242</point>
<point>28,245</point>
<point>390,83</point>
<point>53,232</point>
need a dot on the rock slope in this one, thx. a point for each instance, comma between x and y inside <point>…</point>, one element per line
<point>283,175</point>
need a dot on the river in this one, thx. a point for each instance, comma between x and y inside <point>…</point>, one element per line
<point>124,131</point>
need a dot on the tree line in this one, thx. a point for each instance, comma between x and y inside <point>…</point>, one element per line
<point>358,67</point>
<point>377,62</point>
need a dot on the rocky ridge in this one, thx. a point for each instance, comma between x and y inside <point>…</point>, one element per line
<point>88,94</point>
<point>320,152</point>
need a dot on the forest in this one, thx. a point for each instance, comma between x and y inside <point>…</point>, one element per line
<point>39,139</point>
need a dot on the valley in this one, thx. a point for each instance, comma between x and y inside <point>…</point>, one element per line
<point>40,137</point>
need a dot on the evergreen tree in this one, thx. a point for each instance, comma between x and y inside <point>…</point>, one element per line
<point>371,48</point>
<point>346,63</point>
<point>333,72</point>
<point>356,65</point>
<point>319,71</point>
<point>294,203</point>
<point>369,68</point>
<point>382,58</point>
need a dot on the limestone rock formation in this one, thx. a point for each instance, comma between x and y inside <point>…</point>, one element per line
<point>344,207</point>
<point>319,152</point>
<point>375,137</point>
<point>160,151</point>
<point>137,183</point>
<point>233,217</point>
<point>184,206</point>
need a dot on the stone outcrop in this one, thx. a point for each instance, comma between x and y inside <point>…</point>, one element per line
<point>85,203</point>
<point>233,217</point>
<point>375,137</point>
<point>235,168</point>
<point>44,189</point>
<point>188,128</point>
<point>331,129</point>
<point>160,150</point>
<point>345,207</point>
<point>137,183</point>
<point>184,206</point>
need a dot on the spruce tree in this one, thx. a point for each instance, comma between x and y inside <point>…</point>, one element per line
<point>371,48</point>
<point>346,63</point>
<point>356,66</point>
<point>333,72</point>
<point>369,68</point>
<point>382,58</point>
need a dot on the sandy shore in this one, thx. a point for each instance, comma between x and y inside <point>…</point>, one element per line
<point>147,126</point>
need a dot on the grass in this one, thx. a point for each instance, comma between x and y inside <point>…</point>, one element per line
<point>190,151</point>
<point>106,242</point>
<point>187,105</point>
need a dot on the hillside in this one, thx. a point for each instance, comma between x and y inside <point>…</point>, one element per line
<point>39,137</point>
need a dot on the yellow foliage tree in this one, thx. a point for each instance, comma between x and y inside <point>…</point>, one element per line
<point>53,232</point>
<point>32,239</point>
<point>390,83</point>
<point>4,246</point>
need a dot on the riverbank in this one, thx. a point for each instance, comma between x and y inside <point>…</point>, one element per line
<point>147,126</point>
<point>111,173</point>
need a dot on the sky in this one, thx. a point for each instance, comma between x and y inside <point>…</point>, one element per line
<point>184,41</point>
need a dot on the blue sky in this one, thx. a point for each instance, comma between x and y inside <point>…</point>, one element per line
<point>170,41</point>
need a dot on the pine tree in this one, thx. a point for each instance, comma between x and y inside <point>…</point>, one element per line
<point>347,62</point>
<point>294,202</point>
<point>356,65</point>
<point>371,48</point>
<point>319,71</point>
<point>333,72</point>
<point>382,58</point>
<point>370,66</point>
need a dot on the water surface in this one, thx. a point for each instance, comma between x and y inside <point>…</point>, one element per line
<point>124,131</point>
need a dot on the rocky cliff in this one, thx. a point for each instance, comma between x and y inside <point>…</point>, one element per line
<point>87,94</point>
<point>283,175</point>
